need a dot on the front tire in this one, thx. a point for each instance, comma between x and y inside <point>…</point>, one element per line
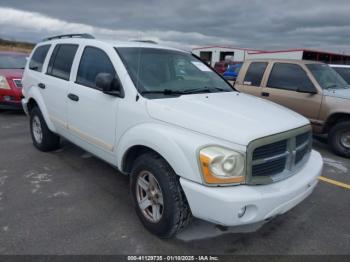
<point>158,198</point>
<point>339,138</point>
<point>42,137</point>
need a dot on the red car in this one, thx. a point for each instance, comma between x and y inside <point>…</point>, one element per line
<point>11,69</point>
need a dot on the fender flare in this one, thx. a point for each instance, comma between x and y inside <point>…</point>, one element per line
<point>161,139</point>
<point>34,94</point>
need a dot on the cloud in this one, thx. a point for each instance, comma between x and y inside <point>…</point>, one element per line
<point>268,24</point>
<point>17,22</point>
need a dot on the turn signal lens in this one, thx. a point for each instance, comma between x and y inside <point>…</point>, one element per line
<point>222,166</point>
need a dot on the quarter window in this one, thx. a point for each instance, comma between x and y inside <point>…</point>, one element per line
<point>61,61</point>
<point>255,73</point>
<point>289,77</point>
<point>93,62</point>
<point>38,58</point>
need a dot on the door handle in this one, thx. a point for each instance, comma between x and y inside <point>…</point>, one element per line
<point>73,97</point>
<point>41,85</point>
<point>265,94</point>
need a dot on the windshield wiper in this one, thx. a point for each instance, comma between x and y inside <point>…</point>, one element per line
<point>184,91</point>
<point>211,88</point>
<point>163,92</point>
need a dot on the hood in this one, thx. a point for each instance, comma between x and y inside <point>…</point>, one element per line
<point>341,93</point>
<point>12,73</point>
<point>233,116</point>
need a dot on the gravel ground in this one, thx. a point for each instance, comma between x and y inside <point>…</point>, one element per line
<point>69,202</point>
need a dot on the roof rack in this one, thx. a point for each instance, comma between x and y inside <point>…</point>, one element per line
<point>145,41</point>
<point>87,36</point>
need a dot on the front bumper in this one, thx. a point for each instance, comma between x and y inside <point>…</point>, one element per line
<point>11,105</point>
<point>221,205</point>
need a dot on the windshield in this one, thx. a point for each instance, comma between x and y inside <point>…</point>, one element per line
<point>166,73</point>
<point>327,77</point>
<point>237,68</point>
<point>12,61</point>
<point>344,72</point>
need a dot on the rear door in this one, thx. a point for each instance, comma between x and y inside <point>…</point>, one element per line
<point>35,73</point>
<point>282,87</point>
<point>92,113</point>
<point>55,83</point>
<point>252,80</point>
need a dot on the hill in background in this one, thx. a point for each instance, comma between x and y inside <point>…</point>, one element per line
<point>8,45</point>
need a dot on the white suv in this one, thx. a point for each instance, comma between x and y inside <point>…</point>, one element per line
<point>191,144</point>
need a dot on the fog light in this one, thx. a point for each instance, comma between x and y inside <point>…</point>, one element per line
<point>241,212</point>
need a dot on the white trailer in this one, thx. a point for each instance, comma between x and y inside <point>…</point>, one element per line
<point>213,54</point>
<point>305,54</point>
<point>283,54</point>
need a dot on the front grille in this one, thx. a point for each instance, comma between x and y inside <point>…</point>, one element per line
<point>270,168</point>
<point>303,145</point>
<point>271,149</point>
<point>300,154</point>
<point>276,157</point>
<point>300,139</point>
<point>18,83</point>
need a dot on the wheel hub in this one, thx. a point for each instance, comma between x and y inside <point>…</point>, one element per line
<point>345,140</point>
<point>149,196</point>
<point>37,131</point>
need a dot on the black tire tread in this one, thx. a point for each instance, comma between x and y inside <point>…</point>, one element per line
<point>182,211</point>
<point>51,141</point>
<point>333,141</point>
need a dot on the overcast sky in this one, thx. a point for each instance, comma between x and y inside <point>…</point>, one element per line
<point>264,24</point>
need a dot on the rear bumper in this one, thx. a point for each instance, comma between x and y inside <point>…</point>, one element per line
<point>221,205</point>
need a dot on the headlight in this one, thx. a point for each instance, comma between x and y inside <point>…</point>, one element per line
<point>3,83</point>
<point>222,166</point>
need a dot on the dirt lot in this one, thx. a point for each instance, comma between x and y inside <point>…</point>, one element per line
<point>7,45</point>
<point>68,202</point>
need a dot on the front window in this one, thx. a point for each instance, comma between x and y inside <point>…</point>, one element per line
<point>159,73</point>
<point>289,77</point>
<point>326,77</point>
<point>12,61</point>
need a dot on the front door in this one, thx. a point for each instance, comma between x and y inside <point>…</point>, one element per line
<point>92,113</point>
<point>284,84</point>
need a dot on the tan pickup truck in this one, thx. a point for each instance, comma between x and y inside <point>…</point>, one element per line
<point>310,88</point>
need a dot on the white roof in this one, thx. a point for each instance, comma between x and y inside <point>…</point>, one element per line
<point>341,66</point>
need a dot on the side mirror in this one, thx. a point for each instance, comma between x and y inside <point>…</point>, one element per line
<point>109,84</point>
<point>307,90</point>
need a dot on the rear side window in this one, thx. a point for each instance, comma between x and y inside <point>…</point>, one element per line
<point>289,77</point>
<point>93,62</point>
<point>344,72</point>
<point>38,58</point>
<point>61,61</point>
<point>255,73</point>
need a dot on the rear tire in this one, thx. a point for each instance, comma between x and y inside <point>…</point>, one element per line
<point>339,138</point>
<point>169,200</point>
<point>43,138</point>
